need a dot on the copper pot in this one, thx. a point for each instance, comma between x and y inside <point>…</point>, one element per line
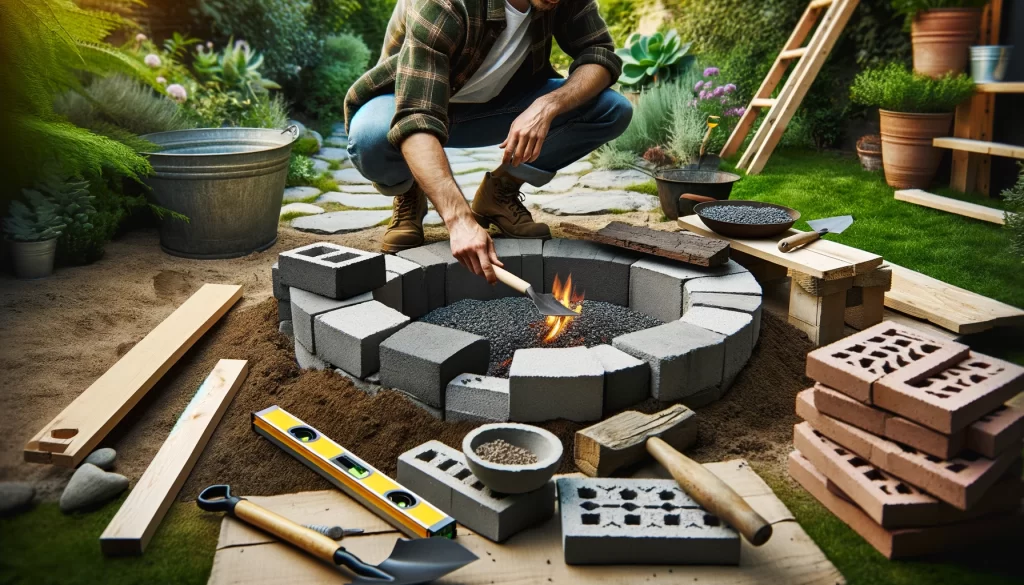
<point>941,37</point>
<point>908,156</point>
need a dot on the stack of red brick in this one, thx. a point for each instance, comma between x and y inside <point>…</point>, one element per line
<point>907,439</point>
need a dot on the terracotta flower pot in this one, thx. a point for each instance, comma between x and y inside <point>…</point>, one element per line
<point>940,38</point>
<point>869,150</point>
<point>909,159</point>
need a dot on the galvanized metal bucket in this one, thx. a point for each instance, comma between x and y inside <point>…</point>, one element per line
<point>989,63</point>
<point>229,182</point>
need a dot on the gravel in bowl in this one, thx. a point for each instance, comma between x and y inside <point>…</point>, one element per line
<point>747,215</point>
<point>512,458</point>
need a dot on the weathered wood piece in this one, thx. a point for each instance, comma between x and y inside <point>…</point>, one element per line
<point>682,246</point>
<point>606,447</point>
<point>67,439</point>
<point>948,204</point>
<point>135,522</point>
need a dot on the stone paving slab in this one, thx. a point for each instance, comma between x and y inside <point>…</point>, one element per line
<point>364,189</point>
<point>332,153</point>
<point>577,168</point>
<point>473,165</point>
<point>432,218</point>
<point>359,201</point>
<point>461,158</point>
<point>292,194</point>
<point>320,165</point>
<point>304,208</point>
<point>340,222</point>
<point>562,183</point>
<point>350,176</point>
<point>470,182</point>
<point>613,179</point>
<point>600,203</point>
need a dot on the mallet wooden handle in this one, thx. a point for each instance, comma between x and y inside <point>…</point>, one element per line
<point>802,239</point>
<point>510,279</point>
<point>308,540</point>
<point>711,492</point>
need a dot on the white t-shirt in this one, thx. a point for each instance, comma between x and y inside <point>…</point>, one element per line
<point>501,62</point>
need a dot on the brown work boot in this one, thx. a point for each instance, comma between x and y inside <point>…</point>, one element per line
<point>406,228</point>
<point>498,202</point>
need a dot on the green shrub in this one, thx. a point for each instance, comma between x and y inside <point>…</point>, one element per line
<point>652,117</point>
<point>609,157</point>
<point>1015,220</point>
<point>300,170</point>
<point>306,145</point>
<point>236,68</point>
<point>370,23</point>
<point>121,102</point>
<point>686,134</point>
<point>896,88</point>
<point>909,8</point>
<point>345,58</point>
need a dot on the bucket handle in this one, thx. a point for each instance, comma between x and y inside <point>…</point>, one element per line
<point>293,129</point>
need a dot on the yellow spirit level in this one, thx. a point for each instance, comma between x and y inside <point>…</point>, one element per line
<point>401,507</point>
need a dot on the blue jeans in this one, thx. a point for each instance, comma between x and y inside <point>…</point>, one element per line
<point>572,136</point>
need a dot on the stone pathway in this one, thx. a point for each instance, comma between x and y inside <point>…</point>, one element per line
<point>577,189</point>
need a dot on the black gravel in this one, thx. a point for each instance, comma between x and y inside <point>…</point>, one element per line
<point>746,214</point>
<point>513,323</point>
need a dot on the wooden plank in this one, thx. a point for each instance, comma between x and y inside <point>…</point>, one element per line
<point>135,522</point>
<point>608,446</point>
<point>1000,87</point>
<point>964,208</point>
<point>980,146</point>
<point>682,246</point>
<point>103,404</point>
<point>950,307</point>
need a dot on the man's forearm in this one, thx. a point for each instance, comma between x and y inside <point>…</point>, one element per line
<point>582,86</point>
<point>429,165</point>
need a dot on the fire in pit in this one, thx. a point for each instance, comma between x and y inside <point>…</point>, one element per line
<point>566,295</point>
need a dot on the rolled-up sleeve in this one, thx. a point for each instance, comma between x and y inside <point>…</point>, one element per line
<point>584,36</point>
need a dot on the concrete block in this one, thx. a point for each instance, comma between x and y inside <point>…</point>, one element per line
<point>366,385</point>
<point>598,271</point>
<point>285,328</point>
<point>462,284</point>
<point>433,411</point>
<point>532,254</point>
<point>434,272</point>
<point>749,304</point>
<point>331,270</point>
<point>656,284</point>
<point>438,473</point>
<point>350,337</point>
<point>280,288</point>
<point>306,360</point>
<point>473,397</point>
<point>740,283</point>
<point>627,380</point>
<point>305,306</point>
<point>415,299</point>
<point>550,383</point>
<point>422,358</point>
<point>391,293</point>
<point>284,311</point>
<point>640,522</point>
<point>684,359</point>
<point>737,329</point>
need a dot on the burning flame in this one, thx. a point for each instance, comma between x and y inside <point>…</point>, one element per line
<point>568,297</point>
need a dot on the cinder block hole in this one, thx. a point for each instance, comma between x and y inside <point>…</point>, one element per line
<point>956,467</point>
<point>890,348</point>
<point>906,449</point>
<point>901,342</point>
<point>669,507</point>
<point>840,355</point>
<point>884,488</point>
<point>929,348</point>
<point>711,520</point>
<point>498,496</point>
<point>936,394</point>
<point>877,339</point>
<point>914,355</point>
<point>317,251</point>
<point>840,451</point>
<point>627,495</point>
<point>671,519</point>
<point>874,475</point>
<point>951,389</point>
<point>866,363</point>
<point>903,489</point>
<point>629,506</point>
<point>858,462</point>
<point>463,474</point>
<point>633,519</point>
<point>427,455</point>
<point>446,464</point>
<point>477,485</point>
<point>857,348</point>
<point>590,519</point>
<point>969,456</point>
<point>889,369</point>
<point>933,458</point>
<point>340,257</point>
<point>879,354</point>
<point>667,495</point>
<point>586,493</point>
<point>980,365</point>
<point>589,506</point>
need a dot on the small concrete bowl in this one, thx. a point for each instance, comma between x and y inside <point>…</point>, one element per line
<point>513,479</point>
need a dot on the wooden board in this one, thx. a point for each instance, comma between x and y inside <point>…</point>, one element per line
<point>822,259</point>
<point>682,246</point>
<point>951,307</point>
<point>135,522</point>
<point>1000,87</point>
<point>247,556</point>
<point>84,423</point>
<point>612,444</point>
<point>980,147</point>
<point>965,208</point>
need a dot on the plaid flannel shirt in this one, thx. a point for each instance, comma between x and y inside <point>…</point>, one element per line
<point>433,47</point>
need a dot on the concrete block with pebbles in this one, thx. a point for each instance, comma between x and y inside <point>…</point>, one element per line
<point>478,398</point>
<point>331,270</point>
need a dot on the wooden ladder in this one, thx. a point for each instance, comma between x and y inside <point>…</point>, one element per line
<point>833,14</point>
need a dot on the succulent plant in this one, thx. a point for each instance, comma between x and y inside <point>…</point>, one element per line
<point>646,59</point>
<point>73,201</point>
<point>34,220</point>
<point>236,68</point>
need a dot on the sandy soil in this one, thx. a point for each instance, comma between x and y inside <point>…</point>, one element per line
<point>60,334</point>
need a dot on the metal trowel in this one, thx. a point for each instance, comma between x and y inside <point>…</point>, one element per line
<point>820,227</point>
<point>411,561</point>
<point>546,303</point>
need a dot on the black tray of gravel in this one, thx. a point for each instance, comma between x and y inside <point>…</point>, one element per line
<point>746,219</point>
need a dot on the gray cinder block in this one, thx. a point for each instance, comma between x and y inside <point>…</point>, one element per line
<point>391,293</point>
<point>640,522</point>
<point>627,380</point>
<point>549,383</point>
<point>741,283</point>
<point>280,288</point>
<point>684,359</point>
<point>306,305</point>
<point>749,304</point>
<point>433,411</point>
<point>738,331</point>
<point>331,270</point>
<point>415,301</point>
<point>532,254</point>
<point>306,360</point>
<point>284,311</point>
<point>600,272</point>
<point>438,473</point>
<point>474,397</point>
<point>422,358</point>
<point>656,284</point>
<point>350,337</point>
<point>461,284</point>
<point>434,271</point>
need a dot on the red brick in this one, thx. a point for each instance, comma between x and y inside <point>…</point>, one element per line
<point>961,481</point>
<point>853,364</point>
<point>907,542</point>
<point>949,398</point>
<point>997,431</point>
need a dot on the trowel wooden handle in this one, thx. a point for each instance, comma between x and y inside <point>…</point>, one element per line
<point>308,540</point>
<point>506,277</point>
<point>711,492</point>
<point>697,198</point>
<point>793,242</point>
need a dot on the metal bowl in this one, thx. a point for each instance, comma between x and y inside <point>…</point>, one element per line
<point>674,182</point>
<point>513,479</point>
<point>745,230</point>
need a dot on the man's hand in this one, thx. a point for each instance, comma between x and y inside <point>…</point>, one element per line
<point>528,131</point>
<point>473,248</point>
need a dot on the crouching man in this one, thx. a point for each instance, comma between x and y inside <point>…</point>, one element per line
<point>470,73</point>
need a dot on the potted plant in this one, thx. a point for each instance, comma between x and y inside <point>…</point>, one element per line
<point>648,59</point>
<point>913,109</point>
<point>31,229</point>
<point>869,151</point>
<point>940,32</point>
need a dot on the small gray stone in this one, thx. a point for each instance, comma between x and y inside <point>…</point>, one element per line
<point>316,136</point>
<point>340,222</point>
<point>350,176</point>
<point>304,208</point>
<point>91,487</point>
<point>306,360</point>
<point>339,140</point>
<point>576,168</point>
<point>103,458</point>
<point>358,201</point>
<point>455,159</point>
<point>609,179</point>
<point>285,328</point>
<point>15,497</point>
<point>473,165</point>
<point>366,189</point>
<point>332,153</point>
<point>600,203</point>
<point>432,218</point>
<point>560,184</point>
<point>469,183</point>
<point>292,194</point>
<point>321,165</point>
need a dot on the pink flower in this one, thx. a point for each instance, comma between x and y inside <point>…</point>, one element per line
<point>703,95</point>
<point>161,80</point>
<point>177,92</point>
<point>139,38</point>
<point>723,100</point>
<point>719,91</point>
<point>711,72</point>
<point>699,85</point>
<point>730,87</point>
<point>209,44</point>
<point>152,60</point>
